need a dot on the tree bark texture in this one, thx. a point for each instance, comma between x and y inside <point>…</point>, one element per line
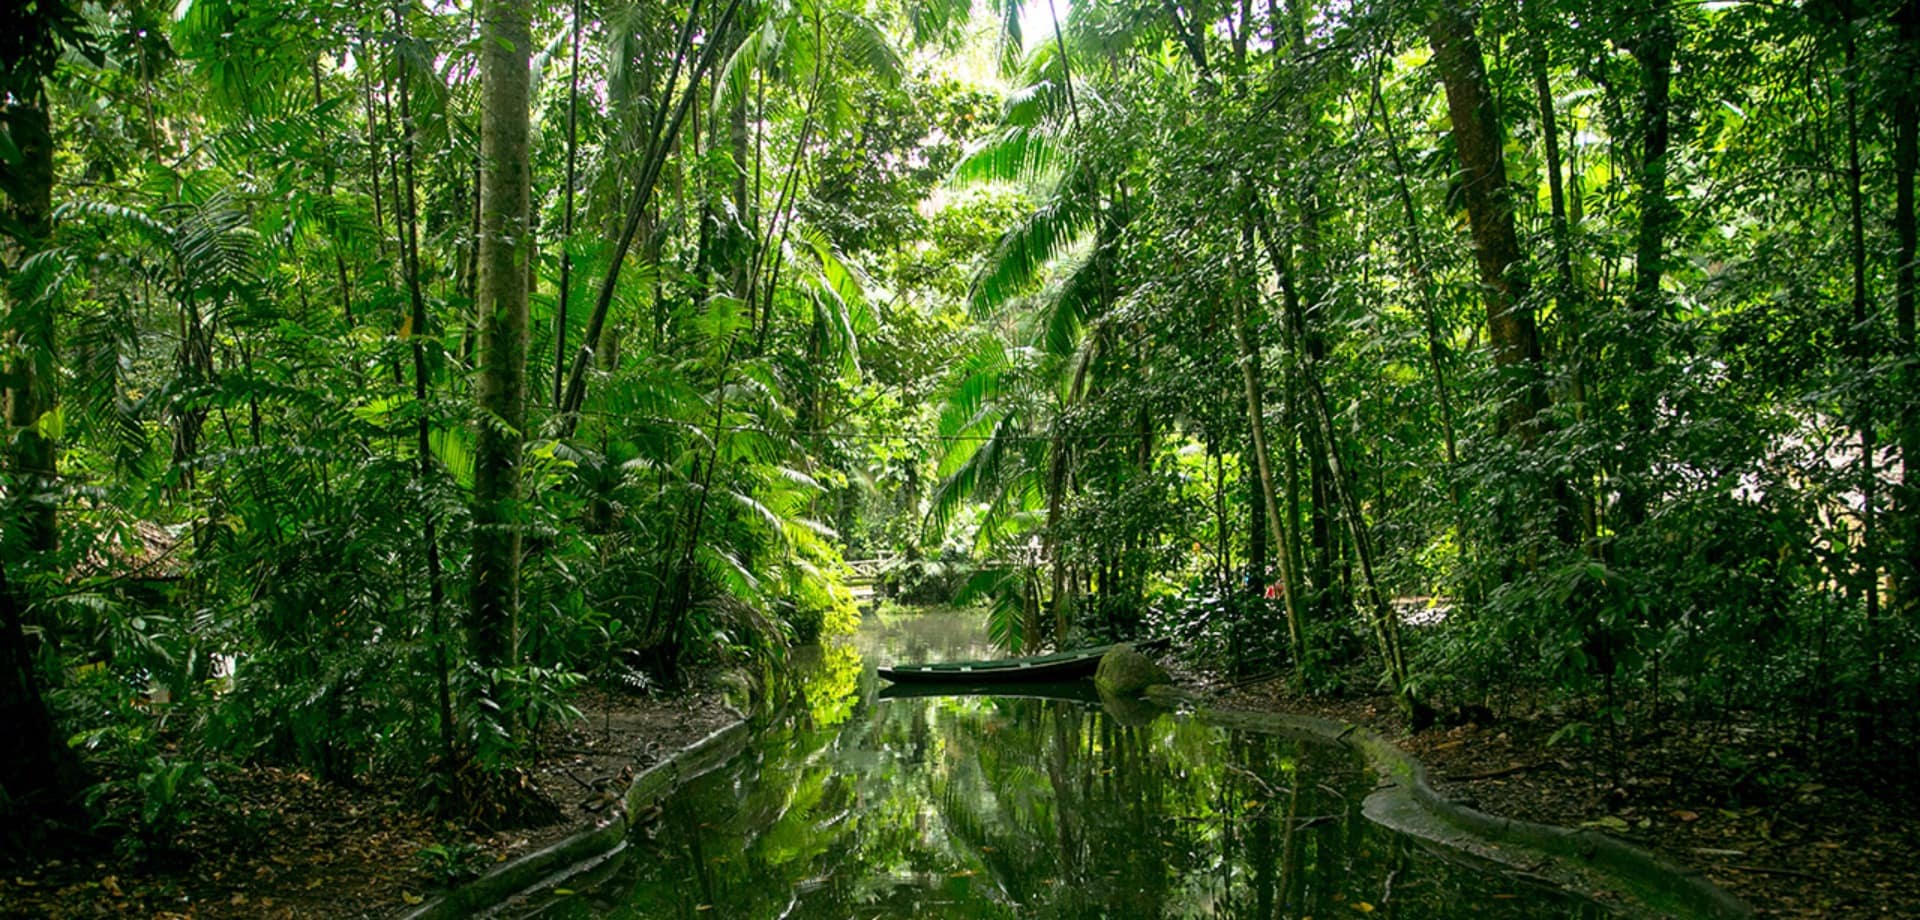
<point>505,247</point>
<point>1513,335</point>
<point>39,774</point>
<point>1653,48</point>
<point>1906,152</point>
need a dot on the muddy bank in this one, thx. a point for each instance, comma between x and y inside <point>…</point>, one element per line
<point>1790,831</point>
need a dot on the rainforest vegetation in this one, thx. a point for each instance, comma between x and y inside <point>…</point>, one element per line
<point>378,375</point>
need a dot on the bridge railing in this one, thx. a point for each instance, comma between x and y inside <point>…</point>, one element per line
<point>871,569</point>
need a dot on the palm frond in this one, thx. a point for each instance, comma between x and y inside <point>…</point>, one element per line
<point>726,569</point>
<point>1045,235</point>
<point>1017,154</point>
<point>865,43</point>
<point>1080,299</point>
<point>736,74</point>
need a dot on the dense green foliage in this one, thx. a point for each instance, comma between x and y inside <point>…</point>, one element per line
<point>1584,329</point>
<point>1590,323</point>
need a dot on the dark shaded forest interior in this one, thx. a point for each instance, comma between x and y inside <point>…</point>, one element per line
<point>386,382</point>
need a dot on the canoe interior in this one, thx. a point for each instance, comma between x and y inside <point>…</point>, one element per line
<point>1076,691</point>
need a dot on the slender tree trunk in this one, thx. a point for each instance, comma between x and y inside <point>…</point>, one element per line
<point>374,147</point>
<point>417,328</point>
<point>664,132</point>
<point>339,260</point>
<point>505,248</point>
<point>1056,553</point>
<point>29,208</point>
<point>1430,312</point>
<point>737,142</point>
<point>566,225</point>
<point>1386,626</point>
<point>1653,48</point>
<point>1308,351</point>
<point>1860,340</point>
<point>1222,526</point>
<point>1568,296</point>
<point>1256,422</point>
<point>1304,326</point>
<point>1059,472</point>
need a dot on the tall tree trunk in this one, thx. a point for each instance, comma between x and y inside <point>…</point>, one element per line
<point>408,212</point>
<point>746,228</point>
<point>29,207</point>
<point>334,241</point>
<point>505,248</point>
<point>1059,471</point>
<point>1512,334</point>
<point>1416,255</point>
<point>665,131</point>
<point>1860,341</point>
<point>1513,337</point>
<point>1568,296</point>
<point>1058,605</point>
<point>1653,48</point>
<point>1254,388</point>
<point>566,220</point>
<point>1304,322</point>
<point>374,145</point>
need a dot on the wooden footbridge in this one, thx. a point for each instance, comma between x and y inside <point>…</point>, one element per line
<point>866,576</point>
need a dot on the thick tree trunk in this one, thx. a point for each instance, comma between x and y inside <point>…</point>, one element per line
<point>39,775</point>
<point>505,247</point>
<point>1906,152</point>
<point>1514,339</point>
<point>29,207</point>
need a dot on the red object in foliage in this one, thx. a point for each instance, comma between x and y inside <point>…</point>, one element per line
<point>1276,591</point>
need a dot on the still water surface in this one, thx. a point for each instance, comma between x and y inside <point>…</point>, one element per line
<point>860,806</point>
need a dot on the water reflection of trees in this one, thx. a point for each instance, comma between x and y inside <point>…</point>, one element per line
<point>982,807</point>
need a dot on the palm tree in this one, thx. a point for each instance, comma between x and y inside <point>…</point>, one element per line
<point>996,451</point>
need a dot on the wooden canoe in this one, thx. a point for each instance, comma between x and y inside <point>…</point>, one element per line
<point>1059,666</point>
<point>1073,691</point>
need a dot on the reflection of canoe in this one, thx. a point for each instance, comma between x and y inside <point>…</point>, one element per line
<point>1078,691</point>
<point>1058,666</point>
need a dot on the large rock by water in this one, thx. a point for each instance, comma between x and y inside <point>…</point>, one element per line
<point>1125,671</point>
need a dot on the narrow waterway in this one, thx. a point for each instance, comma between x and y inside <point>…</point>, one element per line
<point>859,805</point>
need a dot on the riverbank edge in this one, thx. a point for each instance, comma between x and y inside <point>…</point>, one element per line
<point>584,850</point>
<point>1647,883</point>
